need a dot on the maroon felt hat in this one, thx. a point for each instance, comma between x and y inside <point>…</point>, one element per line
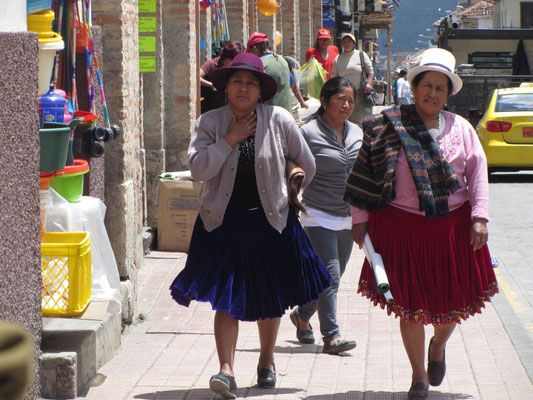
<point>246,62</point>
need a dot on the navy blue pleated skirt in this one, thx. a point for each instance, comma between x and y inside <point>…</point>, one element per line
<point>249,269</point>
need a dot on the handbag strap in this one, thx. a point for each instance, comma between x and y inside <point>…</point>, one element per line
<point>363,70</point>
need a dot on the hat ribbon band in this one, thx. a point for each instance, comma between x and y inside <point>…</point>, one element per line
<point>438,65</point>
<point>246,65</point>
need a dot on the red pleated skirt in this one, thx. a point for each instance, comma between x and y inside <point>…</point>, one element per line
<point>434,274</point>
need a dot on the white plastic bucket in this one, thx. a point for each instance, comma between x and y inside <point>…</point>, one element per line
<point>47,53</point>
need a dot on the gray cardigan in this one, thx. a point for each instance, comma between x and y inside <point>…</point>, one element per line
<point>213,161</point>
<point>333,165</point>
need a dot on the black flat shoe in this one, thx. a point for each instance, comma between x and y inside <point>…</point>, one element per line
<point>338,347</point>
<point>418,390</point>
<point>266,378</point>
<point>436,369</point>
<point>224,385</point>
<point>305,337</point>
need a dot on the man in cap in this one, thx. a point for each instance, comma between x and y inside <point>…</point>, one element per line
<point>274,65</point>
<point>323,51</point>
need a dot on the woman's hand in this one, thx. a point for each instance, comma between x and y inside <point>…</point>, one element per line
<point>358,233</point>
<point>241,129</point>
<point>368,87</point>
<point>479,234</point>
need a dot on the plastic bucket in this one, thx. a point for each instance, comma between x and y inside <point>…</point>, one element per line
<point>54,147</point>
<point>44,180</point>
<point>45,201</point>
<point>41,22</point>
<point>71,125</point>
<point>47,52</point>
<point>69,181</point>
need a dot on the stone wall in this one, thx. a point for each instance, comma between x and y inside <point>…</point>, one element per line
<point>20,252</point>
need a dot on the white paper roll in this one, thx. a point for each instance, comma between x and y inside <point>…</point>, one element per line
<point>382,283</point>
<point>380,276</point>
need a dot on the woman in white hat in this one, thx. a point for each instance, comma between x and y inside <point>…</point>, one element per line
<point>420,190</point>
<point>355,66</point>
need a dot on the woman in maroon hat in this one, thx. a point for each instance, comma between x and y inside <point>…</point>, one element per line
<point>249,256</point>
<point>323,51</point>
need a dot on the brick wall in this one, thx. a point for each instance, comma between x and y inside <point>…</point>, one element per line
<point>237,14</point>
<point>291,29</point>
<point>317,19</point>
<point>180,88</point>
<point>279,27</point>
<point>306,28</point>
<point>153,125</point>
<point>123,167</point>
<point>267,25</point>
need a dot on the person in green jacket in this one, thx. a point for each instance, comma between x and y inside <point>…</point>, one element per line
<point>275,65</point>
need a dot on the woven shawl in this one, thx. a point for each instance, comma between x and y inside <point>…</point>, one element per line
<point>371,182</point>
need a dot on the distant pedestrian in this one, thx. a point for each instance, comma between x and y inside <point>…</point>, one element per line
<point>403,89</point>
<point>323,51</point>
<point>274,65</point>
<point>293,65</point>
<point>348,65</point>
<point>249,256</point>
<point>335,142</point>
<point>211,97</point>
<point>394,91</point>
<point>420,190</point>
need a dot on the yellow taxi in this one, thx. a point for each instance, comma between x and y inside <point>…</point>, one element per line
<point>506,129</point>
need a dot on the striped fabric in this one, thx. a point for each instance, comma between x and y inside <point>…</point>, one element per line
<point>371,182</point>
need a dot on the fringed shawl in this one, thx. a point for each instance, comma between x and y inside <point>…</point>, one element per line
<point>371,182</point>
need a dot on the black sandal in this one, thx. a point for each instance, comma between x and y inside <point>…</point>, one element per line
<point>303,336</point>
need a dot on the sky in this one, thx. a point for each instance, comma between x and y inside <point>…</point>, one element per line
<point>413,18</point>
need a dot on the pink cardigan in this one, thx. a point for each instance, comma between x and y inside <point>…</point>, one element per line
<point>460,146</point>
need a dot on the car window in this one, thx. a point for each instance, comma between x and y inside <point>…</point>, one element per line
<point>514,102</point>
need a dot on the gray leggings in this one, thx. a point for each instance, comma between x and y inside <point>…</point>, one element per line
<point>334,249</point>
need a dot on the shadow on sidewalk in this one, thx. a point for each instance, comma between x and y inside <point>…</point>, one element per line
<point>370,395</point>
<point>249,392</point>
<point>307,348</point>
<point>245,392</point>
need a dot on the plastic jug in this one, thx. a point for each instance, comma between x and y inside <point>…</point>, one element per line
<point>67,116</point>
<point>52,106</point>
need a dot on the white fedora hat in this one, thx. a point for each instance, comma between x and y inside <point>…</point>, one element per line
<point>438,60</point>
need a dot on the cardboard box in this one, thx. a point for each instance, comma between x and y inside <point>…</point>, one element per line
<point>178,207</point>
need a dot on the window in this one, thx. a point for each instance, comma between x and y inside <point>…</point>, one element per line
<point>514,102</point>
<point>491,59</point>
<point>526,15</point>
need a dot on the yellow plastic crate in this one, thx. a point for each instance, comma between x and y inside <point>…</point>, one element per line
<point>66,273</point>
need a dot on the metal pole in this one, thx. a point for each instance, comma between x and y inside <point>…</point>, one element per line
<point>389,42</point>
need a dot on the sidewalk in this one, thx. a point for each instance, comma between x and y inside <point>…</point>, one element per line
<point>172,354</point>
